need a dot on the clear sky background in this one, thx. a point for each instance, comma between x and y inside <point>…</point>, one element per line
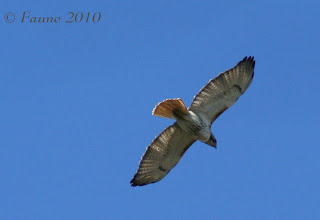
<point>76,102</point>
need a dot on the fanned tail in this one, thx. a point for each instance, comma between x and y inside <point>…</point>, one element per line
<point>170,108</point>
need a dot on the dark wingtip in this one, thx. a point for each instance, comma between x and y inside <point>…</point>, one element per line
<point>133,183</point>
<point>248,59</point>
<point>245,59</point>
<point>253,64</point>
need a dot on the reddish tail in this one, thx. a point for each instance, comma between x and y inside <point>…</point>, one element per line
<point>169,107</point>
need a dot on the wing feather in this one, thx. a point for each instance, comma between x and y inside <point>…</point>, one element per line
<point>224,90</point>
<point>162,155</point>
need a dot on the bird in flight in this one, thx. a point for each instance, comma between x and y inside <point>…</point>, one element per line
<point>193,123</point>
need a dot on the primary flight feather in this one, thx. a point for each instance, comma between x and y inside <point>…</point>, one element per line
<point>193,123</point>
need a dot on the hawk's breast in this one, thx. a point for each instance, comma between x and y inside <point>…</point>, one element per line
<point>196,126</point>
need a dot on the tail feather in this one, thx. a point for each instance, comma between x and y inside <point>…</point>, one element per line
<point>170,108</point>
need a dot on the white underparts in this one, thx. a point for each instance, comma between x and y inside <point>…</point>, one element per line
<point>195,125</point>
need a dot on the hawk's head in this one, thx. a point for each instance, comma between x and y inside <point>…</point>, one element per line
<point>212,141</point>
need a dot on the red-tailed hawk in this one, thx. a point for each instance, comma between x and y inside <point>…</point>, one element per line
<point>193,123</point>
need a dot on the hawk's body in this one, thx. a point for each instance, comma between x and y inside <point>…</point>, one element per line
<point>193,123</point>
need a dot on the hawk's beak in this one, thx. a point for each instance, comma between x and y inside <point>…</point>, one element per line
<point>215,145</point>
<point>212,141</point>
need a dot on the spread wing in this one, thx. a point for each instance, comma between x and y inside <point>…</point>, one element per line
<point>224,90</point>
<point>162,155</point>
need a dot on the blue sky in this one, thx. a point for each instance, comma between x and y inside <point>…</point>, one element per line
<point>76,102</point>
